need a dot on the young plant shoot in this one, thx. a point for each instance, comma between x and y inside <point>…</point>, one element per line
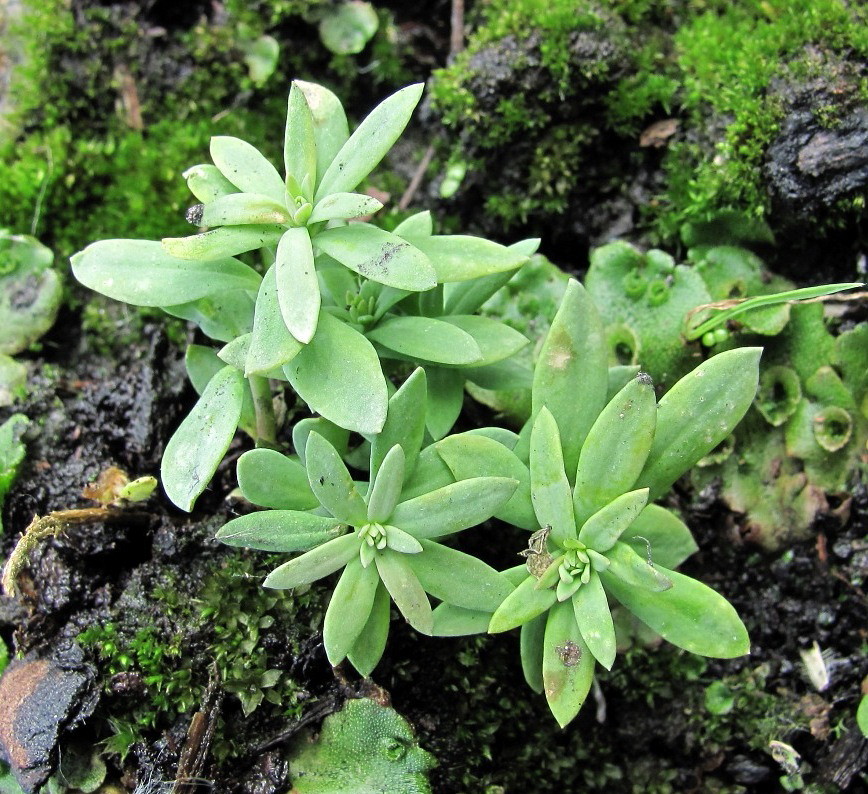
<point>332,296</point>
<point>396,523</point>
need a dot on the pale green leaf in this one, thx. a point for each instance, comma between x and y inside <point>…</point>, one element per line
<point>521,606</point>
<point>462,257</point>
<point>202,364</point>
<point>368,648</point>
<point>297,284</point>
<point>370,142</point>
<point>314,564</point>
<point>430,474</point>
<point>343,206</point>
<point>299,140</point>
<point>349,609</point>
<point>198,445</point>
<point>454,507</point>
<point>379,256</point>
<point>242,208</point>
<point>445,399</point>
<point>222,316</point>
<point>269,479</point>
<point>271,343</point>
<point>465,297</point>
<point>568,665</point>
<point>453,621</point>
<point>222,242</point>
<point>427,339</point>
<point>627,566</point>
<point>661,535</point>
<point>550,489</point>
<point>245,166</point>
<point>330,126</point>
<point>496,340</point>
<point>532,639</point>
<point>339,376</point>
<point>387,485</point>
<point>332,483</point>
<point>279,530</point>
<point>595,621</point>
<point>348,27</point>
<point>206,182</point>
<point>405,589</point>
<point>336,436</point>
<point>405,424</point>
<point>235,352</point>
<point>419,225</point>
<point>601,531</point>
<point>142,273</point>
<point>402,541</point>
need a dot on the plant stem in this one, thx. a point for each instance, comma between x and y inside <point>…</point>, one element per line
<point>266,428</point>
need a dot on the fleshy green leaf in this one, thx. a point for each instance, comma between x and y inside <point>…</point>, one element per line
<point>241,208</point>
<point>616,448</point>
<point>243,165</point>
<point>568,665</point>
<point>662,536</point>
<point>206,182</point>
<point>339,376</point>
<point>405,424</point>
<point>332,483</point>
<point>142,273</point>
<point>222,316</point>
<point>299,140</point>
<point>348,27</point>
<point>453,621</point>
<point>445,399</point>
<point>550,489</point>
<point>595,621</point>
<point>571,374</point>
<point>349,609</point>
<point>462,257</point>
<point>521,606</point>
<point>427,339</point>
<point>378,255</point>
<point>633,570</point>
<point>419,225</point>
<point>336,436</point>
<point>697,413</point>
<point>222,242</point>
<point>405,589</point>
<point>235,352</point>
<point>269,479</point>
<point>465,297</point>
<point>370,142</point>
<point>297,284</point>
<point>690,615</point>
<point>314,564</point>
<point>458,578</point>
<point>198,445</point>
<point>386,488</point>
<point>368,648</point>
<point>454,507</point>
<point>532,640</point>
<point>202,364</point>
<point>279,530</point>
<point>496,340</point>
<point>402,541</point>
<point>430,474</point>
<point>271,343</point>
<point>605,527</point>
<point>338,206</point>
<point>471,455</point>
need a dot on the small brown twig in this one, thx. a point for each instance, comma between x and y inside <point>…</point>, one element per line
<point>410,192</point>
<point>456,33</point>
<point>200,734</point>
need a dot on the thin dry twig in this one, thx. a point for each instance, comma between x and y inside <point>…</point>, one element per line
<point>416,181</point>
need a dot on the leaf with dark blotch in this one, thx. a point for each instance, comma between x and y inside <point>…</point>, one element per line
<point>332,483</point>
<point>568,665</point>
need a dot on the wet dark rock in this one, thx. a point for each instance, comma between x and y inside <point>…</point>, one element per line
<point>40,700</point>
<point>746,770</point>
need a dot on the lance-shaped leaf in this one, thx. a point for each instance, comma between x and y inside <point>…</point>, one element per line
<point>200,442</point>
<point>336,436</point>
<point>314,564</point>
<point>658,534</point>
<point>496,340</point>
<point>378,255</point>
<point>241,208</point>
<point>235,352</point>
<point>427,339</point>
<point>470,455</point>
<point>402,541</point>
<point>405,424</point>
<point>430,474</point>
<point>454,507</point>
<point>271,343</point>
<point>627,566</point>
<point>521,606</point>
<point>507,375</point>
<point>453,621</point>
<point>370,142</point>
<point>279,530</point>
<point>349,609</point>
<point>465,297</point>
<point>368,648</point>
<point>206,182</point>
<point>387,485</point>
<point>461,257</point>
<point>340,206</point>
<point>571,374</point>
<point>405,589</point>
<point>531,644</point>
<point>330,126</point>
<point>244,165</point>
<point>142,273</point>
<point>604,528</point>
<point>332,483</point>
<point>222,242</point>
<point>458,578</point>
<point>568,665</point>
<point>299,141</point>
<point>222,316</point>
<point>269,479</point>
<point>339,376</point>
<point>202,364</point>
<point>690,615</point>
<point>550,489</point>
<point>616,448</point>
<point>297,284</point>
<point>419,225</point>
<point>445,399</point>
<point>697,413</point>
<point>595,621</point>
<point>619,376</point>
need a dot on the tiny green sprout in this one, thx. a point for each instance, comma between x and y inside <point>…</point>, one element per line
<point>392,549</point>
<point>595,465</point>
